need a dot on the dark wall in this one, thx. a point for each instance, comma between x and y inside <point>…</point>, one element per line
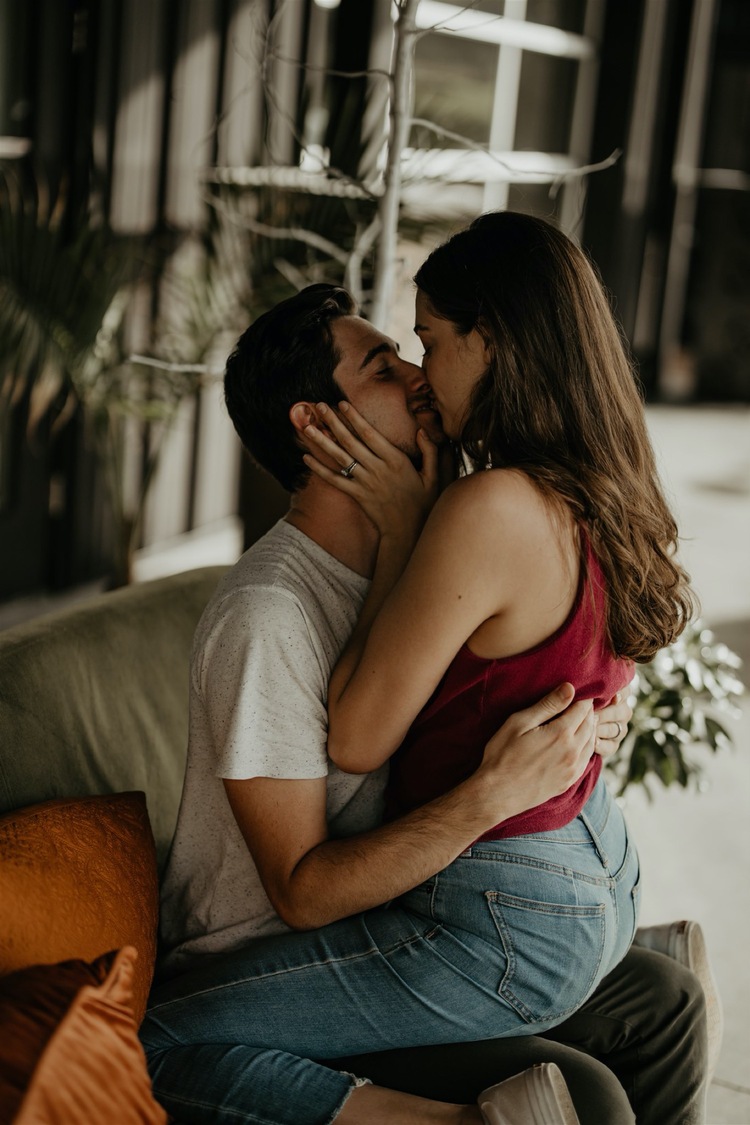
<point>65,70</point>
<point>631,245</point>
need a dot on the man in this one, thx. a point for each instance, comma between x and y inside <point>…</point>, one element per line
<point>270,837</point>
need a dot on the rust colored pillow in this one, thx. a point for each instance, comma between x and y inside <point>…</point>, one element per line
<point>78,878</point>
<point>69,1048</point>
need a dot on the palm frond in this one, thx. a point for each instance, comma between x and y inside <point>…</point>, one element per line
<point>59,276</point>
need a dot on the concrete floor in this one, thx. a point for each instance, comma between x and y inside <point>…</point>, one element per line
<point>694,846</point>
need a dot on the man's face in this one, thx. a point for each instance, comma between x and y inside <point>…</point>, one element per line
<point>389,392</point>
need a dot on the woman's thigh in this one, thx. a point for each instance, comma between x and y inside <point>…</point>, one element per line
<point>475,954</point>
<point>368,983</point>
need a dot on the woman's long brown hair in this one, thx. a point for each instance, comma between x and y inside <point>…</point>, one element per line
<point>561,402</point>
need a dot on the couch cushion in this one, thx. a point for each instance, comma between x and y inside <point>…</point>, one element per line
<point>69,1049</point>
<point>94,698</point>
<point>78,878</point>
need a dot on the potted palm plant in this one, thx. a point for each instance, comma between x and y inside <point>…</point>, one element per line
<point>66,288</point>
<point>680,702</point>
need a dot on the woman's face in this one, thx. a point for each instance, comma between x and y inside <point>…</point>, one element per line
<point>452,364</point>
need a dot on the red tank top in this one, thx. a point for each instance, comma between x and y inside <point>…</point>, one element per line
<point>476,695</point>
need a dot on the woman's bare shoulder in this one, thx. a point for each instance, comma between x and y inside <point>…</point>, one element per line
<point>499,493</point>
<point>499,516</point>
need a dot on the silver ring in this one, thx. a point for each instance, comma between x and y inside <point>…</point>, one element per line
<point>618,736</point>
<point>347,472</point>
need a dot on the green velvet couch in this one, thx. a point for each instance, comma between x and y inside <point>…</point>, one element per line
<point>93,698</point>
<point>93,735</point>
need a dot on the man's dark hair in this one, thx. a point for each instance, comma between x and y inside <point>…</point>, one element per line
<point>287,355</point>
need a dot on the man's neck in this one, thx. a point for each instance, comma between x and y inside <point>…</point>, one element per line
<point>337,524</point>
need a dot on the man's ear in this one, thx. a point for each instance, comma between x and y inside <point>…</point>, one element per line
<point>303,414</point>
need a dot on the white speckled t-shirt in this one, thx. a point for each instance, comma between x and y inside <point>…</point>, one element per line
<point>262,657</point>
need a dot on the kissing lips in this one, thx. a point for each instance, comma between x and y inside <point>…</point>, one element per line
<point>426,416</point>
<point>423,405</point>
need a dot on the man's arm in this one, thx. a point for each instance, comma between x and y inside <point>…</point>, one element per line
<point>312,880</point>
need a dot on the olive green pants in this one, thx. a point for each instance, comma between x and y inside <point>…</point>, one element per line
<point>635,1051</point>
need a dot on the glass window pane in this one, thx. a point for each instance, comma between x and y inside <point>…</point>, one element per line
<point>568,15</point>
<point>545,103</point>
<point>533,199</point>
<point>454,87</point>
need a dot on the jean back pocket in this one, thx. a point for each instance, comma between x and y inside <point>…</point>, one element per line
<point>553,952</point>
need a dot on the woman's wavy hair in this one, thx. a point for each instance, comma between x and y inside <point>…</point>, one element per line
<point>561,402</point>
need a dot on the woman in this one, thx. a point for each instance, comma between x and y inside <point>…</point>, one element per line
<point>390,976</point>
<point>555,564</point>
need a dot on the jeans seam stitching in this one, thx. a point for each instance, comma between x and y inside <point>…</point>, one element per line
<point>574,910</point>
<point>240,1114</point>
<point>542,865</point>
<point>373,951</point>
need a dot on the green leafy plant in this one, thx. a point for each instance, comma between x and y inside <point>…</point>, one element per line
<point>60,277</point>
<point>67,285</point>
<point>679,701</point>
<point>205,297</point>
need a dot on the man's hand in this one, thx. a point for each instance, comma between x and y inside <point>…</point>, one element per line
<point>612,725</point>
<point>312,880</point>
<point>537,754</point>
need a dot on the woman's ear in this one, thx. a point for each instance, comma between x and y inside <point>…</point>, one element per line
<point>489,350</point>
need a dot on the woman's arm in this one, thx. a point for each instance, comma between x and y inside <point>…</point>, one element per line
<point>395,495</point>
<point>312,880</point>
<point>465,568</point>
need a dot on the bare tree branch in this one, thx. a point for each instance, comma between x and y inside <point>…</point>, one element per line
<point>382,232</point>
<point>363,244</point>
<point>176,368</point>
<point>584,170</point>
<point>475,146</point>
<point>270,55</point>
<point>400,119</point>
<point>297,234</point>
<point>290,273</point>
<point>313,69</point>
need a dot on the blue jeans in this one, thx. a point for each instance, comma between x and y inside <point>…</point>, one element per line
<point>508,940</point>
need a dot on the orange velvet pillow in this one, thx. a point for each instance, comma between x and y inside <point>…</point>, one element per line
<point>69,1048</point>
<point>77,878</point>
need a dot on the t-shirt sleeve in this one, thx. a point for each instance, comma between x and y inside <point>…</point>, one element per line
<point>263,688</point>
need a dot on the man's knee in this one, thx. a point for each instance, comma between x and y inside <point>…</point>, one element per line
<point>648,1002</point>
<point>671,991</point>
<point>457,1072</point>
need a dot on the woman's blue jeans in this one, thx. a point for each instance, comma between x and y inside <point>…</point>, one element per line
<point>510,939</point>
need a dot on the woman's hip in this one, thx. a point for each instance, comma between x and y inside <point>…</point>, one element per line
<point>593,848</point>
<point>559,907</point>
